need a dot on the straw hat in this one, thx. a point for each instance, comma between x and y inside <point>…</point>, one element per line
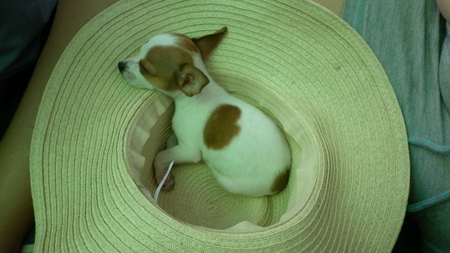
<point>96,136</point>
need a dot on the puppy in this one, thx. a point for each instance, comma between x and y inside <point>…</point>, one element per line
<point>244,148</point>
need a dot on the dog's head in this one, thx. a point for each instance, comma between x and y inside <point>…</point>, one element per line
<point>171,63</point>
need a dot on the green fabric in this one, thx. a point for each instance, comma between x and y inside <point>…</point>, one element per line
<point>21,24</point>
<point>444,70</point>
<point>412,42</point>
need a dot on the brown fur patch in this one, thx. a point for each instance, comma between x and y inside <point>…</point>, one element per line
<point>221,127</point>
<point>280,182</point>
<point>162,65</point>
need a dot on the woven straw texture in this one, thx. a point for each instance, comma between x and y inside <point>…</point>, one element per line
<point>96,136</point>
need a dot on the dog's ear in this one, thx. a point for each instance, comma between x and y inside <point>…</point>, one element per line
<point>191,80</point>
<point>208,43</point>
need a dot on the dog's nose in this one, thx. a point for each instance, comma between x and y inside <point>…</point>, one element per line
<point>122,65</point>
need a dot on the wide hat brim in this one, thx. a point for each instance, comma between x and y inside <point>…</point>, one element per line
<point>96,136</point>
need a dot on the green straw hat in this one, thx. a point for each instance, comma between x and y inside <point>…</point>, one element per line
<point>96,137</point>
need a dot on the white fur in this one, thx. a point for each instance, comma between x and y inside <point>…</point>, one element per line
<point>251,161</point>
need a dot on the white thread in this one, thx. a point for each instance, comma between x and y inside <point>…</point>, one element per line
<point>158,189</point>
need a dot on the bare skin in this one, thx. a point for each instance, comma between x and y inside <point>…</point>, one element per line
<point>444,7</point>
<point>335,6</point>
<point>16,212</point>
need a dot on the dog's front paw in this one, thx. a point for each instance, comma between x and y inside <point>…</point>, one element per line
<point>169,184</point>
<point>160,171</point>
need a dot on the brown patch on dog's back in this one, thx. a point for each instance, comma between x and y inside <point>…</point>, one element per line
<point>281,181</point>
<point>221,126</point>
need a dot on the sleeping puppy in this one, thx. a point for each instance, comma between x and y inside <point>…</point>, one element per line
<point>245,150</point>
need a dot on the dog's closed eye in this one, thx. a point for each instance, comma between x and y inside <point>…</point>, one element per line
<point>146,66</point>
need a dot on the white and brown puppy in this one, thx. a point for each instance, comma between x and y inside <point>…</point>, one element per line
<point>244,148</point>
